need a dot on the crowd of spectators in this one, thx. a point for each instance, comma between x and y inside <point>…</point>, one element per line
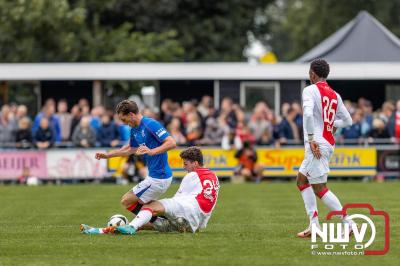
<point>193,123</point>
<point>190,123</point>
<point>56,126</point>
<point>372,126</point>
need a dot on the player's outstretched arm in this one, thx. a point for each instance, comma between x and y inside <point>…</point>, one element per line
<point>125,151</point>
<point>169,143</point>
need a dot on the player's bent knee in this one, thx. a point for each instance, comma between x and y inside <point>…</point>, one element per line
<point>124,202</point>
<point>127,201</point>
<point>319,188</point>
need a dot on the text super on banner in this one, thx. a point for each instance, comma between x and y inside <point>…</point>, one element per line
<point>283,162</point>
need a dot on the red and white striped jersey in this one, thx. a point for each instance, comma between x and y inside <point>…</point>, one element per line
<point>327,106</point>
<point>203,185</point>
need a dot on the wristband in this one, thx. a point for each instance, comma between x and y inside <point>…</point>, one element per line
<point>310,137</point>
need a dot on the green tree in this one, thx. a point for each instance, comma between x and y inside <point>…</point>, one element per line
<point>39,30</point>
<point>298,25</point>
<point>55,31</point>
<point>207,30</point>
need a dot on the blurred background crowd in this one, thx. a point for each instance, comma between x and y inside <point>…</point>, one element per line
<point>190,123</point>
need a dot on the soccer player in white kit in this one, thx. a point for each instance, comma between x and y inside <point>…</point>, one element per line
<point>323,113</point>
<point>190,208</point>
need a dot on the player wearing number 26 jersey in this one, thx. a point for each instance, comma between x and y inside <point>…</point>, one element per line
<point>325,106</point>
<point>323,112</point>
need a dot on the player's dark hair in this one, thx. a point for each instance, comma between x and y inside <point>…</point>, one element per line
<point>320,67</point>
<point>126,106</point>
<point>192,154</point>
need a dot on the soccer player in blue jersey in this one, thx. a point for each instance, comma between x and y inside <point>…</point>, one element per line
<point>150,139</point>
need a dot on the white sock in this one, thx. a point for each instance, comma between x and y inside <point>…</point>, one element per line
<point>346,219</point>
<point>143,217</point>
<point>331,201</point>
<point>310,202</point>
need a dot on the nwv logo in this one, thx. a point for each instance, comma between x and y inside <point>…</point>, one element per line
<point>340,233</point>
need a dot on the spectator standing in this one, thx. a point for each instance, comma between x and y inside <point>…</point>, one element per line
<point>22,112</point>
<point>205,105</point>
<point>354,131</point>
<point>48,112</point>
<point>84,135</point>
<point>379,131</point>
<point>124,130</point>
<point>8,126</point>
<point>24,134</point>
<point>366,121</point>
<point>284,109</point>
<point>13,111</point>
<point>175,130</point>
<point>95,117</point>
<point>259,124</point>
<point>386,112</point>
<point>230,140</point>
<point>213,133</point>
<point>108,133</point>
<point>288,129</point>
<point>299,117</point>
<point>44,136</point>
<point>65,119</point>
<point>193,128</point>
<point>76,115</point>
<point>227,109</point>
<point>148,112</point>
<point>166,111</point>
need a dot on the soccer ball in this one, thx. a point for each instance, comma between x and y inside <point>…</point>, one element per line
<point>117,220</point>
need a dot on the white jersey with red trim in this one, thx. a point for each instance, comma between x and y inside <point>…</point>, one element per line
<point>327,106</point>
<point>202,187</point>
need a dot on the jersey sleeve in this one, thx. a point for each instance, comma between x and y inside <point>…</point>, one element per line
<point>157,130</point>
<point>190,185</point>
<point>307,98</point>
<point>308,107</point>
<point>342,112</point>
<point>343,117</point>
<point>132,141</point>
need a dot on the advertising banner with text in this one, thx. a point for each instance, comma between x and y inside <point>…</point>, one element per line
<point>12,163</point>
<point>284,162</point>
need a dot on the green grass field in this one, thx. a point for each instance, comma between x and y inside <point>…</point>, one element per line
<point>252,225</point>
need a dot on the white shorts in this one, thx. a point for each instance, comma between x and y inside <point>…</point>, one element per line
<point>316,170</point>
<point>151,188</point>
<point>186,208</point>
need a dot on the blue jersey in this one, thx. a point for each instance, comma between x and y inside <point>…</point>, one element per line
<point>151,133</point>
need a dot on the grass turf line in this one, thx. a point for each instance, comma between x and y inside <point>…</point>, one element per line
<point>251,225</point>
